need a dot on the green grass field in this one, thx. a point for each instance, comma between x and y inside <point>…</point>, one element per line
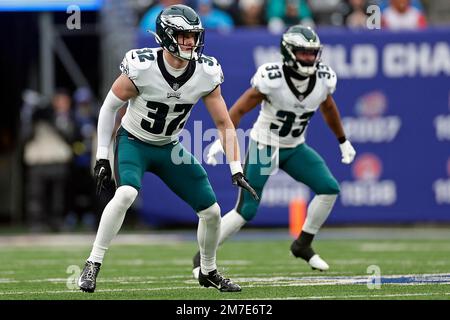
<point>262,266</point>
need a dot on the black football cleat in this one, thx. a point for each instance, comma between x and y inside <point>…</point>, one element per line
<point>88,277</point>
<point>196,265</point>
<point>216,280</point>
<point>307,253</point>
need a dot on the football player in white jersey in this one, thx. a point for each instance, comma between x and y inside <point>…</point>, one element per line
<point>290,92</point>
<point>161,86</point>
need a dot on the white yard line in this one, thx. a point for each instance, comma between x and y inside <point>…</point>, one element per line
<point>98,290</point>
<point>388,295</point>
<point>254,282</point>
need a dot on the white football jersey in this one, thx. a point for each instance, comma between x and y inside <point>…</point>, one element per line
<point>285,113</point>
<point>159,112</point>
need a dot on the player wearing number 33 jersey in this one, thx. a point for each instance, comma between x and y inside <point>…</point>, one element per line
<point>286,111</point>
<point>290,92</point>
<point>161,86</point>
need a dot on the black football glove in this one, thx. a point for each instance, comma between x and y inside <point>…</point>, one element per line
<point>240,180</point>
<point>102,175</point>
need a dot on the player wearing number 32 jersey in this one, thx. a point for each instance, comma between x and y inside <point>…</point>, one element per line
<point>290,92</point>
<point>158,113</point>
<point>161,86</point>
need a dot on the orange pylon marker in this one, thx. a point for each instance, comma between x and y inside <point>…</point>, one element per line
<point>297,216</point>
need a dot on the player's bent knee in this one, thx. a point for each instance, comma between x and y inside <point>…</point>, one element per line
<point>248,212</point>
<point>332,187</point>
<point>327,198</point>
<point>130,178</point>
<point>126,195</point>
<point>211,213</point>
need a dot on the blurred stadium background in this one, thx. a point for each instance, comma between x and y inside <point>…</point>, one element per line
<point>393,93</point>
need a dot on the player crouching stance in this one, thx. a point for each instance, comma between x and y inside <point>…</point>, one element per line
<point>290,92</point>
<point>161,86</point>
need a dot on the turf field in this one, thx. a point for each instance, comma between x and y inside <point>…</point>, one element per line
<point>411,266</point>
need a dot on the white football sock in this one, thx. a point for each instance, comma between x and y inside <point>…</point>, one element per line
<point>111,221</point>
<point>208,237</point>
<point>231,223</point>
<point>318,211</point>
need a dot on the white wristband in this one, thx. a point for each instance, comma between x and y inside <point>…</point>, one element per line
<point>102,153</point>
<point>235,167</point>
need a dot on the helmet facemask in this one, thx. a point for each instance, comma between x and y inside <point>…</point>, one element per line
<point>181,40</point>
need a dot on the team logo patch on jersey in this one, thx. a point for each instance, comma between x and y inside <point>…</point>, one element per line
<point>174,95</point>
<point>124,68</point>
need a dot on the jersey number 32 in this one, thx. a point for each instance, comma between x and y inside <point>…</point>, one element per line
<point>158,113</point>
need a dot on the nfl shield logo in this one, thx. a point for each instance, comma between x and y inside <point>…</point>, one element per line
<point>175,86</point>
<point>301,97</point>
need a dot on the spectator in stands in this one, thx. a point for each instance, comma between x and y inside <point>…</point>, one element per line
<point>149,18</point>
<point>213,18</point>
<point>251,12</point>
<point>383,4</point>
<point>357,16</point>
<point>229,6</point>
<point>400,14</point>
<point>47,156</point>
<point>82,186</point>
<point>284,13</point>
